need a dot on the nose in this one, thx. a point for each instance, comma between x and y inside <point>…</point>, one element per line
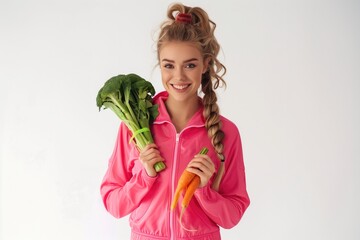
<point>179,74</point>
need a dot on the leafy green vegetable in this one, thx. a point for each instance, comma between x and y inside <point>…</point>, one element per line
<point>130,98</point>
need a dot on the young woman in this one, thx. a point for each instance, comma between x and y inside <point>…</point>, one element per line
<point>188,121</point>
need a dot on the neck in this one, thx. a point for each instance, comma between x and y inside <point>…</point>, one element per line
<point>181,112</point>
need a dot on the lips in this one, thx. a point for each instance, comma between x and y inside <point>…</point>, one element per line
<point>180,86</point>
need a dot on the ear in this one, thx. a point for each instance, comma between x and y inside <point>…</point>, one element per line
<point>206,64</point>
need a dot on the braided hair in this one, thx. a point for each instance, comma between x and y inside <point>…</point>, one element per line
<point>193,25</point>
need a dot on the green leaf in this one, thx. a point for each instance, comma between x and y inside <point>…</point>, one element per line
<point>130,98</point>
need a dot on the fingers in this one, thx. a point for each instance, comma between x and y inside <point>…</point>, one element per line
<point>202,166</point>
<point>150,152</point>
<point>148,157</point>
<point>203,163</point>
<point>149,146</point>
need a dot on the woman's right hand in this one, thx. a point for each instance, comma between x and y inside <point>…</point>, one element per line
<point>148,157</point>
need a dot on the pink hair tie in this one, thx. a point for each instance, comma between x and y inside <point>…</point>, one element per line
<point>183,17</point>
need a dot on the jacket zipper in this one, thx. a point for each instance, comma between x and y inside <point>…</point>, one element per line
<point>172,215</point>
<point>177,138</point>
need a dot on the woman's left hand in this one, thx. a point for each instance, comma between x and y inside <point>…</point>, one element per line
<point>203,166</point>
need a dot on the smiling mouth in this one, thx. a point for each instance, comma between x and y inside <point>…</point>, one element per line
<point>180,86</point>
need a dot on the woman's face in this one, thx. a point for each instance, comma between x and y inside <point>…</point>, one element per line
<point>182,66</point>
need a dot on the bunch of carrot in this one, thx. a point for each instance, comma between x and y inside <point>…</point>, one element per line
<point>188,182</point>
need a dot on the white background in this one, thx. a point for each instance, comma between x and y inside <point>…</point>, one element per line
<point>293,90</point>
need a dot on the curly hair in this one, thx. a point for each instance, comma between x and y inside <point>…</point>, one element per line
<point>199,29</point>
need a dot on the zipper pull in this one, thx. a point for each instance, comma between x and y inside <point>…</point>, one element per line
<point>177,137</point>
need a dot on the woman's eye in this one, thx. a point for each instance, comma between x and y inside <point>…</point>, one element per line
<point>190,65</point>
<point>168,66</point>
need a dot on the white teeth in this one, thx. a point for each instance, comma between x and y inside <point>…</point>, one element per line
<point>180,86</point>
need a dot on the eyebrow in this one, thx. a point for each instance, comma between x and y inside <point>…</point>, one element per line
<point>172,61</point>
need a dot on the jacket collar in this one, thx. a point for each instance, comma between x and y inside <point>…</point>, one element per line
<point>160,99</point>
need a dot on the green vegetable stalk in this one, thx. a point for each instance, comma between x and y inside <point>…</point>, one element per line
<point>130,98</point>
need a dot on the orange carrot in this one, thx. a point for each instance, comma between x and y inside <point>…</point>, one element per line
<point>184,181</point>
<point>190,182</point>
<point>190,190</point>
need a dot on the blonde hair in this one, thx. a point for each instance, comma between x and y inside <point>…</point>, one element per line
<point>200,30</point>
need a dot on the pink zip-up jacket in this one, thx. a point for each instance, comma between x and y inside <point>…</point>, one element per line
<point>127,189</point>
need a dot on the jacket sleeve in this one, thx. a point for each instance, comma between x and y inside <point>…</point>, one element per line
<point>121,190</point>
<point>227,206</point>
